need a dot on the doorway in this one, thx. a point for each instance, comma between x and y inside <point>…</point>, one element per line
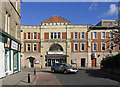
<point>31,62</point>
<point>94,62</point>
<point>82,62</point>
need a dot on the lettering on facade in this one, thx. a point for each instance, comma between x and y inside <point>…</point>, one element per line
<point>55,52</point>
<point>14,45</point>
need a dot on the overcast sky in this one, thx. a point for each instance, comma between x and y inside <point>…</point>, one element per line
<point>32,13</point>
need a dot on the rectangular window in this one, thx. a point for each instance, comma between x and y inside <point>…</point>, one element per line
<point>103,35</point>
<point>82,47</point>
<point>28,35</point>
<point>28,47</point>
<point>111,35</point>
<point>119,47</point>
<point>35,47</point>
<point>83,35</point>
<point>112,46</point>
<point>94,47</point>
<point>75,47</point>
<point>75,35</point>
<point>51,35</point>
<point>58,35</point>
<point>94,35</point>
<point>103,46</point>
<point>35,35</point>
<point>55,35</point>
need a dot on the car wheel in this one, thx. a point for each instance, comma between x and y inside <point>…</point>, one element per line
<point>65,71</point>
<point>53,70</point>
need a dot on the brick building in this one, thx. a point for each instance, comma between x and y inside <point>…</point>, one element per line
<point>56,40</point>
<point>9,37</point>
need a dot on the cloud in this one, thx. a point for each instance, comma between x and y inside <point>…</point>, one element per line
<point>93,6</point>
<point>113,10</point>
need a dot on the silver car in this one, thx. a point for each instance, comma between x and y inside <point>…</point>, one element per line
<point>63,67</point>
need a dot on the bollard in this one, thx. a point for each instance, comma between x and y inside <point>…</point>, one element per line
<point>28,78</point>
<point>34,71</point>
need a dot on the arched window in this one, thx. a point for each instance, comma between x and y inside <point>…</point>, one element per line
<point>56,47</point>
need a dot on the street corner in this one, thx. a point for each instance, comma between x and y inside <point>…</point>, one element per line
<point>45,79</point>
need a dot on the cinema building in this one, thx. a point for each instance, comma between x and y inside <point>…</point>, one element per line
<point>9,37</point>
<point>57,40</point>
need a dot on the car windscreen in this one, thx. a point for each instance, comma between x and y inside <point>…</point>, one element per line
<point>67,65</point>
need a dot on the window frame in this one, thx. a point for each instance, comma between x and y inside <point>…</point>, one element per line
<point>34,35</point>
<point>75,35</point>
<point>101,46</point>
<point>27,35</point>
<point>27,47</point>
<point>81,47</point>
<point>34,46</point>
<point>75,47</point>
<point>94,35</point>
<point>82,35</point>
<point>102,34</point>
<point>93,47</point>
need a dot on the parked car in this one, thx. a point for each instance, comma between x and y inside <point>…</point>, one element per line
<point>63,67</point>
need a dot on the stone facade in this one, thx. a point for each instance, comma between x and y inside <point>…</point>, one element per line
<point>10,37</point>
<point>59,41</point>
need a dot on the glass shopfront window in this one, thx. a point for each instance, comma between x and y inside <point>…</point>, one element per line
<point>15,60</point>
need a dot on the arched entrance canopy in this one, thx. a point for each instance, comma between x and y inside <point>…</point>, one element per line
<point>56,47</point>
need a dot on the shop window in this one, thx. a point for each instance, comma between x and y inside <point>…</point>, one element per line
<point>35,35</point>
<point>15,60</point>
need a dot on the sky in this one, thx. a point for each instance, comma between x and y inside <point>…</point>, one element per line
<point>32,13</point>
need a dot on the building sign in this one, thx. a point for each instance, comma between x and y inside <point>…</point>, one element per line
<point>14,45</point>
<point>73,61</point>
<point>55,52</point>
<point>37,61</point>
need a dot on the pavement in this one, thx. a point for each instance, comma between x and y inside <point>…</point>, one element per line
<point>21,78</point>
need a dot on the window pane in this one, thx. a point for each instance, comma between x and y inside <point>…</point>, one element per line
<point>55,35</point>
<point>35,47</point>
<point>111,46</point>
<point>103,46</point>
<point>35,35</point>
<point>83,47</point>
<point>103,34</point>
<point>95,47</point>
<point>119,46</point>
<point>82,34</point>
<point>28,35</point>
<point>51,35</point>
<point>58,35</point>
<point>111,34</point>
<point>76,47</point>
<point>94,35</point>
<point>28,47</point>
<point>75,35</point>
